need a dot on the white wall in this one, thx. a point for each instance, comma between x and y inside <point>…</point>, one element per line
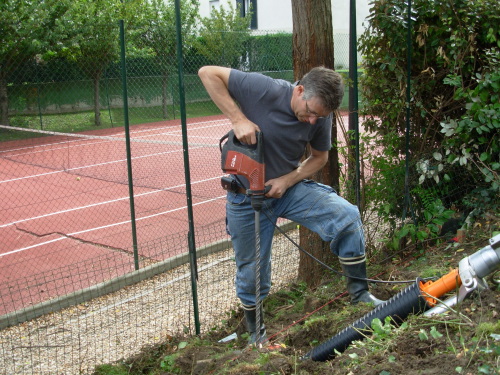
<point>274,15</point>
<point>277,14</point>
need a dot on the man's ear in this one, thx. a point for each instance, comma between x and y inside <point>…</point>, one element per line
<point>299,90</point>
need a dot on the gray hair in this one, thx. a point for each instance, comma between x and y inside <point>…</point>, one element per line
<point>325,84</point>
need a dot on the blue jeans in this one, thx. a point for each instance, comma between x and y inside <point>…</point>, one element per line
<point>308,203</point>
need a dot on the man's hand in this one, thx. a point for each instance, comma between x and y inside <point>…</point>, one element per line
<point>278,187</point>
<point>245,132</point>
<point>315,161</point>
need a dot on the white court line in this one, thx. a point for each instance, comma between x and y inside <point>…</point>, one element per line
<point>94,165</point>
<point>117,135</point>
<point>105,202</point>
<point>212,123</point>
<point>47,147</point>
<point>110,162</point>
<point>104,227</point>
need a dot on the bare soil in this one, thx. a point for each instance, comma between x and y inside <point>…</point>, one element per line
<point>463,341</point>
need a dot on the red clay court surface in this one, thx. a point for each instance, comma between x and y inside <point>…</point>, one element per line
<point>65,209</point>
<point>71,215</point>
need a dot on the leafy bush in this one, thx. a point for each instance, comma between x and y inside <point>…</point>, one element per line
<point>270,52</point>
<point>454,107</point>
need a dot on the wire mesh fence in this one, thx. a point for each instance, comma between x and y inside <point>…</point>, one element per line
<point>75,290</point>
<point>39,91</point>
<point>118,324</point>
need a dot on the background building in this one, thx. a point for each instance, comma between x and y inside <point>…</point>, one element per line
<point>277,14</point>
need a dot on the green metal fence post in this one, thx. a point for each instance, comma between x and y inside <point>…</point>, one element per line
<point>191,236</point>
<point>407,201</point>
<point>127,142</point>
<point>353,97</point>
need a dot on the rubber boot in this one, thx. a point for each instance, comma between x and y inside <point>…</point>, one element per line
<point>251,324</point>
<point>357,287</point>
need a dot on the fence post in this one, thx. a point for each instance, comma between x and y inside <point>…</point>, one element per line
<point>127,142</point>
<point>353,99</point>
<point>191,236</point>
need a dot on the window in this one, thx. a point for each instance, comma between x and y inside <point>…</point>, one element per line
<point>214,4</point>
<point>245,7</point>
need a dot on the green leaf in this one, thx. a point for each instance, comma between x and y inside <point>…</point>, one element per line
<point>423,335</point>
<point>484,369</point>
<point>377,326</point>
<point>421,235</point>
<point>435,333</point>
<point>495,336</point>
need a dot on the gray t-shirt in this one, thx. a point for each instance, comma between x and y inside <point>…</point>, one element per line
<point>266,102</point>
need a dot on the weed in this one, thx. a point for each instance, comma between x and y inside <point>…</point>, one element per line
<point>464,340</point>
<point>168,364</point>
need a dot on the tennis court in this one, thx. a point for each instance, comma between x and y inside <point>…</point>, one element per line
<point>65,203</point>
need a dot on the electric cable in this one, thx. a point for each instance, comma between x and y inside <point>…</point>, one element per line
<point>324,264</point>
<point>334,270</point>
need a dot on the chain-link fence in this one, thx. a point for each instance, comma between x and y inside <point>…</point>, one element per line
<point>95,260</point>
<point>98,245</point>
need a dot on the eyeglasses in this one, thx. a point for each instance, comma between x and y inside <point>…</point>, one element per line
<point>311,113</point>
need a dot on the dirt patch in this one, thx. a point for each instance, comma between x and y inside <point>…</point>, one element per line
<point>448,350</point>
<point>463,341</point>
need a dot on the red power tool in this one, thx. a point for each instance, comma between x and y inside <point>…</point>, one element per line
<point>248,161</point>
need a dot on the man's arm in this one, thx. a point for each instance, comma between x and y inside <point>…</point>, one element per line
<point>216,80</point>
<point>307,168</point>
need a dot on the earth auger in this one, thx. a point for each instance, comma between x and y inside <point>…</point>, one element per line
<point>420,297</point>
<point>247,160</point>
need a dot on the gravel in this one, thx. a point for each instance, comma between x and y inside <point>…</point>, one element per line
<point>116,326</point>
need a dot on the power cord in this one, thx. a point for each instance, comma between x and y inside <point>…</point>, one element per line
<point>330,268</point>
<point>324,264</point>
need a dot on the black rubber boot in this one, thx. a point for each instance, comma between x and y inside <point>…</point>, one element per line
<point>251,324</point>
<point>358,288</point>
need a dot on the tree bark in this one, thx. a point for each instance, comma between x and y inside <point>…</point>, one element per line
<point>4,102</point>
<point>97,102</point>
<point>313,46</point>
<point>164,96</point>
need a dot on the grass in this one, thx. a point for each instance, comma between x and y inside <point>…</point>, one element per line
<point>463,341</point>
<point>85,121</point>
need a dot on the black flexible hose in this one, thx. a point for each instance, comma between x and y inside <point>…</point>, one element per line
<point>407,301</point>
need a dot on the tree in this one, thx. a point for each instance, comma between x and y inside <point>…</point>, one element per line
<point>454,105</point>
<point>27,28</point>
<point>313,46</point>
<point>223,36</point>
<point>157,33</point>
<point>93,38</point>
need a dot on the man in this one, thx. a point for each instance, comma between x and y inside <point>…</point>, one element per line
<point>290,116</point>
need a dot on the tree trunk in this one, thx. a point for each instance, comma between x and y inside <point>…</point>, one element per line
<point>313,46</point>
<point>4,102</point>
<point>164,96</point>
<point>97,102</point>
